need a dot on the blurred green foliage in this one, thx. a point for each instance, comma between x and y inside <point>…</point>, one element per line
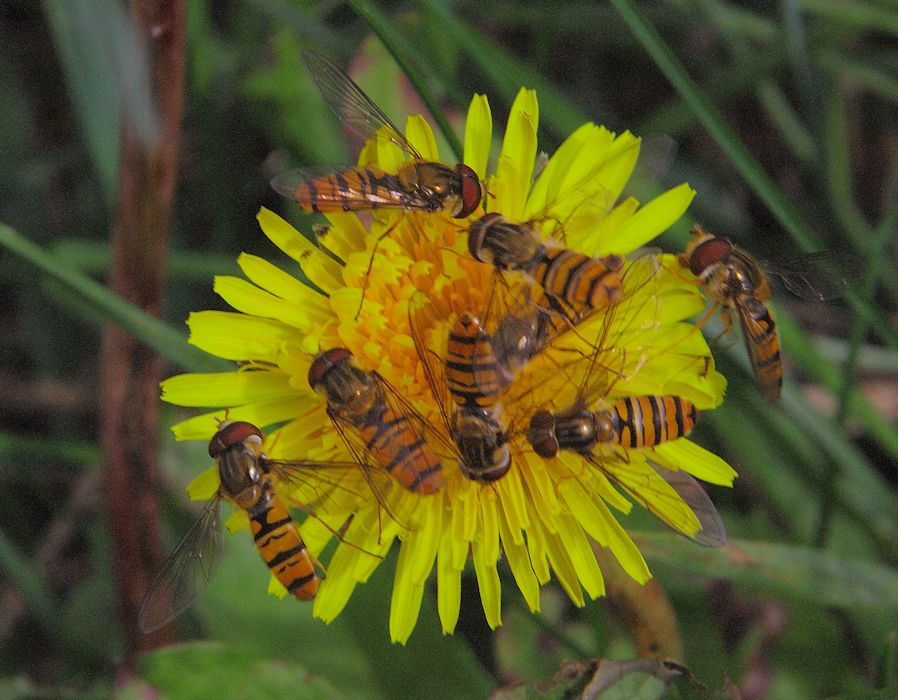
<point>784,116</point>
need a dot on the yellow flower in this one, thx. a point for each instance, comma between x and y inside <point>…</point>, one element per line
<point>542,513</point>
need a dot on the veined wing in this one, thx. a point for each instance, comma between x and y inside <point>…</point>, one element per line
<point>713,532</point>
<point>431,350</point>
<point>186,572</point>
<point>351,104</point>
<point>316,484</point>
<point>675,498</point>
<point>818,276</point>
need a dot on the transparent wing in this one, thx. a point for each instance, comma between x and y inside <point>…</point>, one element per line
<point>375,477</point>
<point>186,572</point>
<point>818,276</point>
<point>625,333</point>
<point>713,532</point>
<point>321,484</point>
<point>354,108</point>
<point>317,484</point>
<point>431,351</point>
<point>675,498</point>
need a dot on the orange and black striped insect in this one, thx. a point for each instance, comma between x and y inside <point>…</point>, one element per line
<point>576,283</point>
<point>476,380</point>
<point>632,422</point>
<point>419,185</point>
<point>248,481</point>
<point>735,280</point>
<point>375,421</point>
<point>572,283</point>
<point>467,382</point>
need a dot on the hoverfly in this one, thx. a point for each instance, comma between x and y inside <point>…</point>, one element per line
<point>577,284</point>
<point>474,380</point>
<point>419,185</point>
<point>363,404</point>
<point>248,480</point>
<point>633,422</point>
<point>734,280</point>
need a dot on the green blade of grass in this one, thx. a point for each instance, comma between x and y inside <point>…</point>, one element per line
<point>763,439</point>
<point>507,73</point>
<point>742,160</point>
<point>847,390</point>
<point>168,342</point>
<point>818,577</point>
<point>862,15</point>
<point>30,585</point>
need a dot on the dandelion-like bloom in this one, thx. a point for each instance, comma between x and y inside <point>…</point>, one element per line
<point>542,513</point>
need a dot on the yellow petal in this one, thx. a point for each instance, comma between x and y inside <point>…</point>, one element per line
<point>204,485</point>
<point>273,279</point>
<point>512,181</point>
<point>420,135</point>
<point>478,135</point>
<point>519,563</point>
<point>250,299</point>
<point>651,220</point>
<point>582,556</point>
<point>236,336</point>
<point>448,585</point>
<point>704,465</point>
<point>319,267</point>
<point>225,388</point>
<point>406,600</point>
<point>514,504</point>
<point>345,235</point>
<point>485,550</point>
<point>536,548</point>
<point>561,563</point>
<point>276,588</point>
<point>568,174</point>
<point>337,588</point>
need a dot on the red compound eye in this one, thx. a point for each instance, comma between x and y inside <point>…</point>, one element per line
<point>711,252</point>
<point>471,191</point>
<point>231,433</point>
<point>324,363</point>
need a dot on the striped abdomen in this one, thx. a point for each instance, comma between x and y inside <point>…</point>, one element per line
<point>474,375</point>
<point>645,421</point>
<point>359,401</point>
<point>633,422</point>
<point>763,345</point>
<point>353,190</point>
<point>580,283</point>
<point>400,449</point>
<point>278,540</point>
